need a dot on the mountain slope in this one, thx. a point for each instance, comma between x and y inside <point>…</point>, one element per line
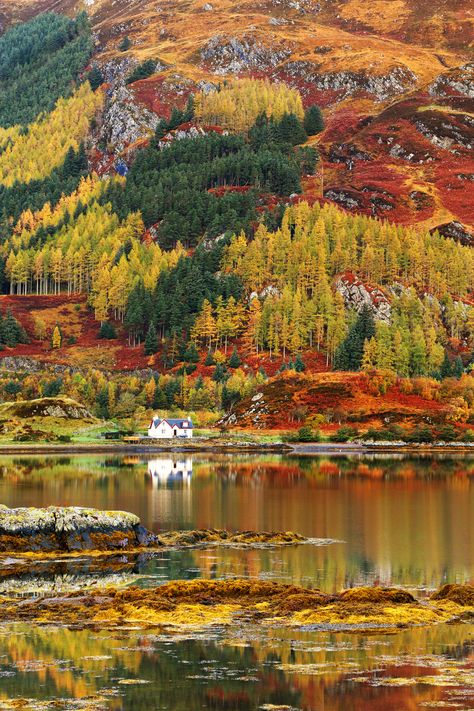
<point>393,77</point>
<point>204,232</point>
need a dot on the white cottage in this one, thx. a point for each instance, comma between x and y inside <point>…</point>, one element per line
<point>167,428</point>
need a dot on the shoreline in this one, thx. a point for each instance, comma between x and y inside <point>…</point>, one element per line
<point>218,447</point>
<point>124,448</point>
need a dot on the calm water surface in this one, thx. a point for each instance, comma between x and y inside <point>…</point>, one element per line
<point>395,521</point>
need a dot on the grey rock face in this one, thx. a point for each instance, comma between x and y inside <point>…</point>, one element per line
<point>70,528</point>
<point>343,197</point>
<point>124,121</point>
<point>356,295</point>
<point>456,231</point>
<point>229,55</point>
<point>190,131</point>
<point>381,88</point>
<point>459,81</point>
<point>447,135</point>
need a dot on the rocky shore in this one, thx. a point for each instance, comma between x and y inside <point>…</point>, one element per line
<point>71,529</point>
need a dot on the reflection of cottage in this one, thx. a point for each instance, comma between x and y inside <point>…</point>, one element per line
<point>166,428</point>
<point>169,471</point>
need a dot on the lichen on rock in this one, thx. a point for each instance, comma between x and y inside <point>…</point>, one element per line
<point>70,529</point>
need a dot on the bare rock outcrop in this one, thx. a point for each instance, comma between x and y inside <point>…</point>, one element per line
<point>356,295</point>
<point>60,407</point>
<point>456,231</point>
<point>124,121</point>
<point>349,83</point>
<point>70,529</point>
<point>458,81</point>
<point>187,130</point>
<point>231,55</point>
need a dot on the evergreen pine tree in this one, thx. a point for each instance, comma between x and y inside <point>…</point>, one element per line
<point>103,403</point>
<point>151,340</point>
<point>313,120</point>
<point>299,364</point>
<point>95,78</point>
<point>12,332</point>
<point>107,330</point>
<point>458,367</point>
<point>290,130</point>
<point>234,360</point>
<point>125,44</point>
<point>446,369</point>
<point>209,359</point>
<point>159,399</point>
<point>350,352</point>
<point>220,373</point>
<point>191,354</point>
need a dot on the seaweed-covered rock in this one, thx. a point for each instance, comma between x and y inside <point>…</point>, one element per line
<point>71,529</point>
<point>460,594</point>
<point>223,537</point>
<point>202,603</point>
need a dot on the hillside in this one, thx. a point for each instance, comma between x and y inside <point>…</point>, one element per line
<point>332,400</point>
<point>199,200</point>
<point>394,80</point>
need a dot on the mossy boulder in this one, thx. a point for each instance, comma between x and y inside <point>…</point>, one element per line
<point>60,407</point>
<point>70,529</point>
<point>67,529</point>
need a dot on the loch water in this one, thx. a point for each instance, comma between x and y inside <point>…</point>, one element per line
<point>394,520</point>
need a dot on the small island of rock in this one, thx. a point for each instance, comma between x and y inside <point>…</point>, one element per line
<point>69,529</point>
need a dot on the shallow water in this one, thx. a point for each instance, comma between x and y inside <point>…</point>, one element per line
<point>398,521</point>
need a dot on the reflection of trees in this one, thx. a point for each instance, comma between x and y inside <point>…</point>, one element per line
<point>203,673</point>
<point>403,520</point>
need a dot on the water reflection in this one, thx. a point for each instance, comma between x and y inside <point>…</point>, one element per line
<point>403,520</point>
<point>170,472</point>
<point>306,671</point>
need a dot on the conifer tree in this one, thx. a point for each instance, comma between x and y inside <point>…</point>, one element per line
<point>191,354</point>
<point>458,367</point>
<point>125,44</point>
<point>12,332</point>
<point>299,365</point>
<point>350,352</point>
<point>234,360</point>
<point>313,120</point>
<point>151,341</point>
<point>95,77</point>
<point>56,339</point>
<point>209,359</point>
<point>107,330</point>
